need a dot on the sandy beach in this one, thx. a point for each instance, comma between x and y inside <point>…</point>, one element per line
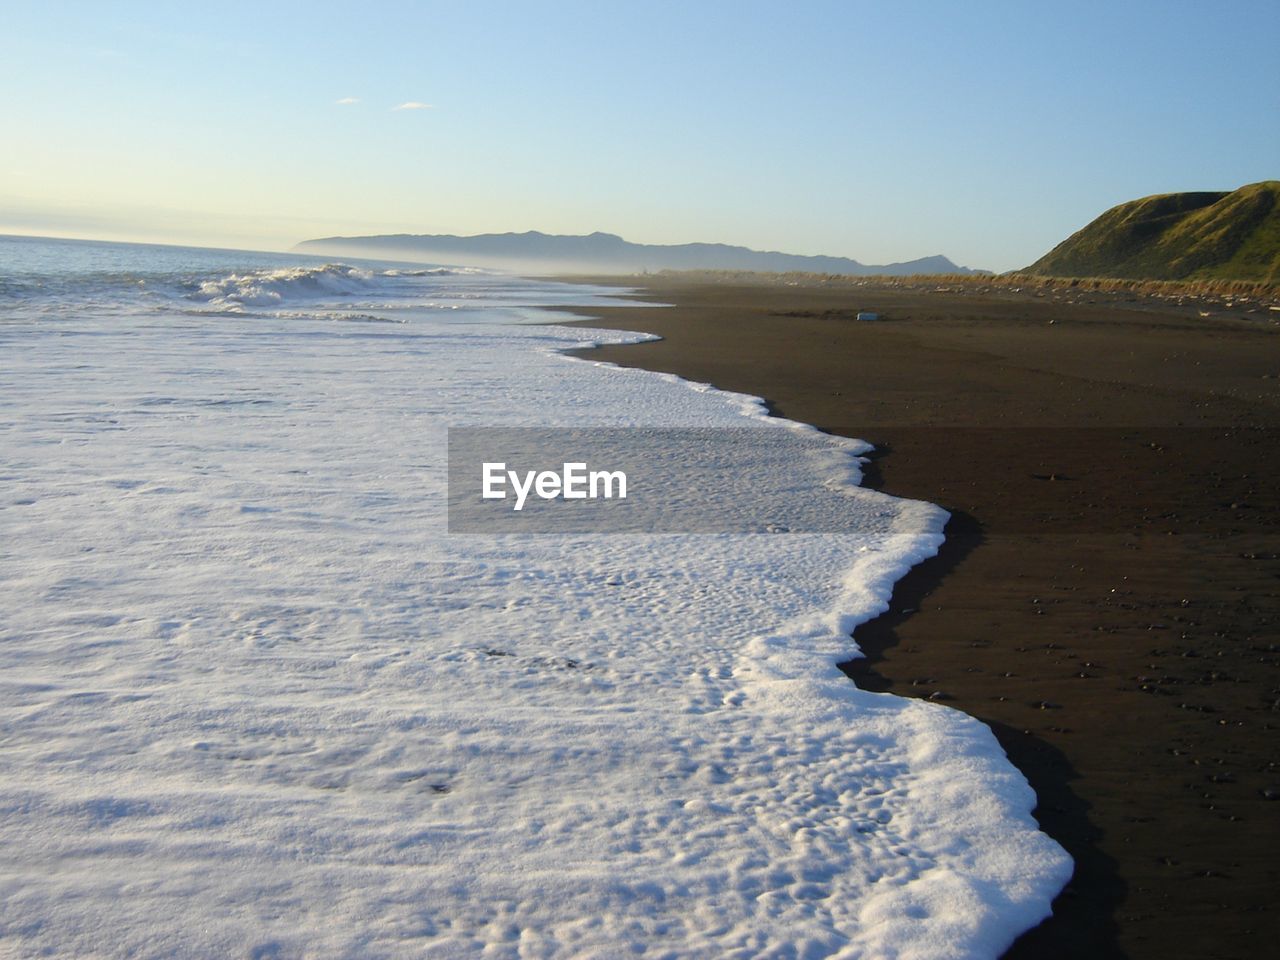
<point>1107,599</point>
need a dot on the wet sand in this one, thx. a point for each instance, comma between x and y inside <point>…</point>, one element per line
<point>1108,598</point>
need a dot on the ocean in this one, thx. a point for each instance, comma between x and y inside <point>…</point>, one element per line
<point>259,699</point>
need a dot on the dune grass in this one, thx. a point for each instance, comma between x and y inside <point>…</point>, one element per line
<point>1178,236</point>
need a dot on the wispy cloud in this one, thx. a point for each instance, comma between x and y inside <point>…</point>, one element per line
<point>347,101</point>
<point>414,105</point>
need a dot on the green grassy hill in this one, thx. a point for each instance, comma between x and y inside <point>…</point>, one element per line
<point>1178,236</point>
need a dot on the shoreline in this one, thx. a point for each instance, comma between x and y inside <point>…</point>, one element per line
<point>1108,579</point>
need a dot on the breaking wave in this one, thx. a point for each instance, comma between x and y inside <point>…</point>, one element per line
<point>265,288</point>
<point>433,272</point>
<point>280,286</point>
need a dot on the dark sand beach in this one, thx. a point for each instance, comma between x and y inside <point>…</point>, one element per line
<point>1108,599</point>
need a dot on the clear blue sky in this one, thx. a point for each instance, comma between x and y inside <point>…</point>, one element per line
<point>883,131</point>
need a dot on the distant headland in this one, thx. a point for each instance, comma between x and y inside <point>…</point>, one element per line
<point>603,253</point>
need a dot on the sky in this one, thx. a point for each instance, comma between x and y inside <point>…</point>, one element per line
<point>985,131</point>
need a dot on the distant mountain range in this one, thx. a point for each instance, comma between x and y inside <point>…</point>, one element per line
<point>1178,236</point>
<point>599,253</point>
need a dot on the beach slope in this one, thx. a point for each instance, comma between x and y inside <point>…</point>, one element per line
<point>1107,600</point>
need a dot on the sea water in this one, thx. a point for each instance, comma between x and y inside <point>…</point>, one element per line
<point>257,700</point>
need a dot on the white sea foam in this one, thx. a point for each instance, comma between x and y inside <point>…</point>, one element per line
<point>271,287</point>
<point>256,701</point>
<point>433,271</point>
